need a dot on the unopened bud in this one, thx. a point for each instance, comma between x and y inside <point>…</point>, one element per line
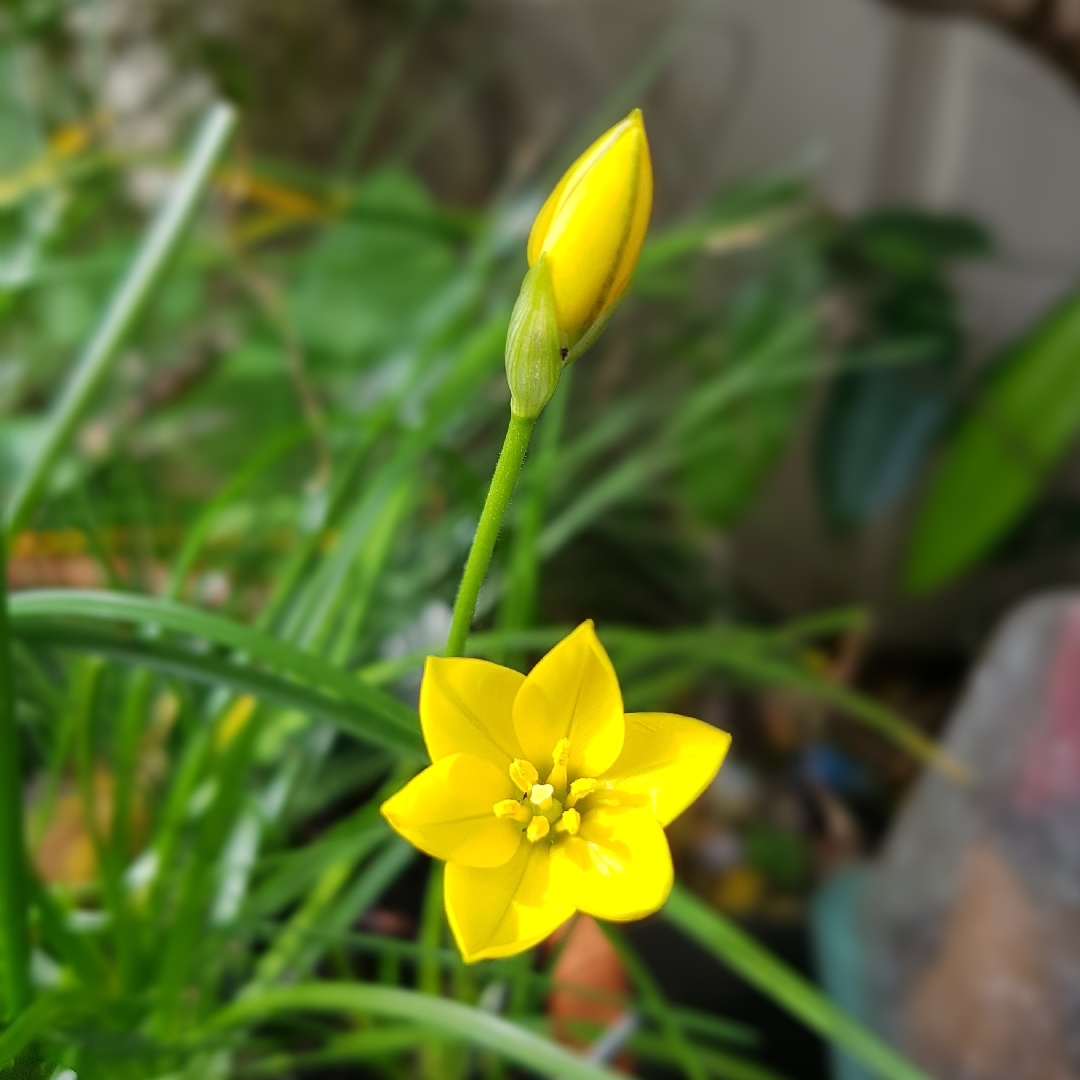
<point>591,229</point>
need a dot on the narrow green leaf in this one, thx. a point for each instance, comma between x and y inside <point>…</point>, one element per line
<point>389,720</point>
<point>531,1052</point>
<point>170,659</point>
<point>761,969</point>
<point>995,464</point>
<point>132,295</point>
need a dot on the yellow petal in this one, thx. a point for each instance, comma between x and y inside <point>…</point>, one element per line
<point>449,812</point>
<point>466,707</point>
<point>618,866</point>
<point>667,761</point>
<point>507,910</point>
<point>593,225</point>
<point>572,693</point>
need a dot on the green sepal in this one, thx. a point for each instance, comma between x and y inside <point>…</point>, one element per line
<point>534,359</point>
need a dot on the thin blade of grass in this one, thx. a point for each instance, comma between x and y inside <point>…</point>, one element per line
<point>761,969</point>
<point>391,718</point>
<point>532,1052</point>
<point>169,659</point>
<point>129,301</point>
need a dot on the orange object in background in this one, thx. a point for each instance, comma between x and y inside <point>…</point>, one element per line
<point>593,984</point>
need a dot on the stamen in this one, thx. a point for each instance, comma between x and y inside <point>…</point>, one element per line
<point>570,822</point>
<point>538,828</point>
<point>524,774</point>
<point>559,756</point>
<point>511,808</point>
<point>541,796</point>
<point>586,785</point>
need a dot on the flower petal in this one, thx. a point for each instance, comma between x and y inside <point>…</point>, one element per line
<point>507,910</point>
<point>447,811</point>
<point>668,760</point>
<point>593,224</point>
<point>572,692</point>
<point>618,866</point>
<point>466,707</point>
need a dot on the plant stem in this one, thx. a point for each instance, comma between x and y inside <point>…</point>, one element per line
<point>14,898</point>
<point>511,458</point>
<point>128,303</point>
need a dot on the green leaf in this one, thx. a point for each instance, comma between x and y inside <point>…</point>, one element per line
<point>1016,430</point>
<point>761,969</point>
<point>375,715</point>
<point>536,1054</point>
<point>911,244</point>
<point>132,295</point>
<point>727,453</point>
<point>876,430</point>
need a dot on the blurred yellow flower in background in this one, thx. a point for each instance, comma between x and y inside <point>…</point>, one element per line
<point>544,797</point>
<point>592,227</point>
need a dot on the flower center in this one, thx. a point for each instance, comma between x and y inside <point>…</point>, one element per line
<point>547,809</point>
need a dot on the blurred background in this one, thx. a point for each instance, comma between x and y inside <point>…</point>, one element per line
<point>819,479</point>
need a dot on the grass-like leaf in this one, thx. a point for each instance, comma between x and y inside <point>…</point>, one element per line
<point>772,977</point>
<point>478,1028</point>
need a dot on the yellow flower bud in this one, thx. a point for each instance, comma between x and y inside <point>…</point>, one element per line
<point>591,229</point>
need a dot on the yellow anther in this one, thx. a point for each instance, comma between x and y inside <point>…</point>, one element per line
<point>570,822</point>
<point>538,828</point>
<point>524,774</point>
<point>511,808</point>
<point>559,756</point>
<point>586,785</point>
<point>541,796</point>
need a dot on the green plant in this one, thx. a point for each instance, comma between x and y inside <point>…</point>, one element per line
<point>227,765</point>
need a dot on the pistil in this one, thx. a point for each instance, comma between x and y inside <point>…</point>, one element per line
<point>559,756</point>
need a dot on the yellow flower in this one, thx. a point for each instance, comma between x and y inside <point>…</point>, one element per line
<point>592,227</point>
<point>544,797</point>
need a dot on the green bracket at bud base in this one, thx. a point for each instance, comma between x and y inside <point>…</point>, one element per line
<point>534,357</point>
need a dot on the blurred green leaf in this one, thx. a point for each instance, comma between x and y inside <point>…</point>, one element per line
<point>727,454</point>
<point>736,949</point>
<point>1017,427</point>
<point>474,1026</point>
<point>912,244</point>
<point>874,435</point>
<point>392,722</point>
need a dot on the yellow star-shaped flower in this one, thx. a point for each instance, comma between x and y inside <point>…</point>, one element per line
<point>544,797</point>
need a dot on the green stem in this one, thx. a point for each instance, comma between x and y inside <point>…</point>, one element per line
<point>511,458</point>
<point>14,897</point>
<point>128,303</point>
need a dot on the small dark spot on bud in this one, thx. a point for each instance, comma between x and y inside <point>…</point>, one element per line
<point>564,352</point>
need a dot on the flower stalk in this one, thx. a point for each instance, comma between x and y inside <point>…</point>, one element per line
<point>583,247</point>
<point>14,887</point>
<point>509,465</point>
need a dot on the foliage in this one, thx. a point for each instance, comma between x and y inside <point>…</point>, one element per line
<point>1017,426</point>
<point>269,468</point>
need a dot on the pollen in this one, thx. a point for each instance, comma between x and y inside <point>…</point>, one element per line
<point>511,808</point>
<point>524,774</point>
<point>586,785</point>
<point>538,828</point>
<point>569,823</point>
